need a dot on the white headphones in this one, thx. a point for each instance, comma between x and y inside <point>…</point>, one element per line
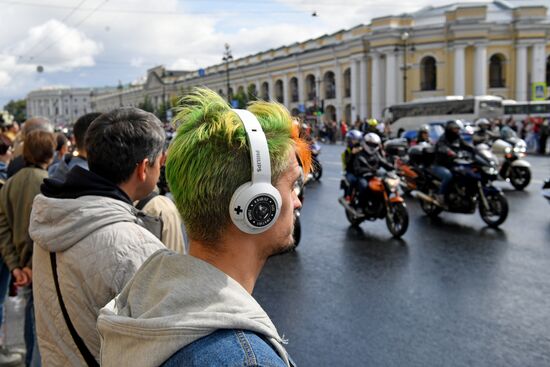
<point>255,205</point>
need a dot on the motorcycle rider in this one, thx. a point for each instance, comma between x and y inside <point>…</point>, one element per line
<point>446,149</point>
<point>483,135</point>
<point>367,163</point>
<point>353,139</point>
<point>423,134</point>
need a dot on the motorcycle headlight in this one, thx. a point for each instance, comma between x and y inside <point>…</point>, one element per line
<point>508,150</point>
<point>490,170</point>
<point>392,183</point>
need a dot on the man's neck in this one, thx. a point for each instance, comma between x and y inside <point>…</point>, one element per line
<point>129,190</point>
<point>237,256</point>
<point>82,154</point>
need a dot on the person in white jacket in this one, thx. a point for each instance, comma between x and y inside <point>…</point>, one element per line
<point>88,229</point>
<point>232,174</point>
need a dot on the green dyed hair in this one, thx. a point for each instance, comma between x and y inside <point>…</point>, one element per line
<point>209,157</point>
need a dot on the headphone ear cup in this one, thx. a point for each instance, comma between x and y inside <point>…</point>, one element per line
<point>255,208</point>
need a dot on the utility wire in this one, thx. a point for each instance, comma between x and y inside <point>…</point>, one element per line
<point>74,26</point>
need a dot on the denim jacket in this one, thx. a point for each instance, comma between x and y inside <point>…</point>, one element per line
<point>227,348</point>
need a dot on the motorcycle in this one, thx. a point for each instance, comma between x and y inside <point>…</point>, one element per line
<point>546,189</point>
<point>470,189</point>
<point>317,170</point>
<point>383,201</point>
<point>299,190</point>
<point>510,152</point>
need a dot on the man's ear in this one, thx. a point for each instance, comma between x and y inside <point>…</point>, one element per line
<point>141,172</point>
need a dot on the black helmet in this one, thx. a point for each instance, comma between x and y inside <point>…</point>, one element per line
<point>452,129</point>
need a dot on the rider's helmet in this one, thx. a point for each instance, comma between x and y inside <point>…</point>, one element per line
<point>371,143</point>
<point>482,124</point>
<point>452,129</point>
<point>372,122</point>
<point>353,138</point>
<point>423,133</point>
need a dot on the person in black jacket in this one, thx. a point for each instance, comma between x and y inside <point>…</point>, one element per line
<point>446,149</point>
<point>368,161</point>
<point>353,139</point>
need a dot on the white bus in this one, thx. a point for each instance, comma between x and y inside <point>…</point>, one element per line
<point>520,110</point>
<point>411,115</point>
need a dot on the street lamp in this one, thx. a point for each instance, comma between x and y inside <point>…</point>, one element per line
<point>404,37</point>
<point>227,57</point>
<point>119,88</point>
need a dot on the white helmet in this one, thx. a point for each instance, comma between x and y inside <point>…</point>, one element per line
<point>482,123</point>
<point>371,143</point>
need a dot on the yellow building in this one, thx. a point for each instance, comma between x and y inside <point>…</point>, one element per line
<point>480,48</point>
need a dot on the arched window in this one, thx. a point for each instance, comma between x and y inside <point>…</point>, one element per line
<point>294,94</point>
<point>252,92</point>
<point>496,71</point>
<point>330,85</point>
<point>428,74</point>
<point>347,83</point>
<point>279,91</point>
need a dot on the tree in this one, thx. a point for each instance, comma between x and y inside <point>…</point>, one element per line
<point>18,109</point>
<point>241,98</point>
<point>147,104</point>
<point>161,111</point>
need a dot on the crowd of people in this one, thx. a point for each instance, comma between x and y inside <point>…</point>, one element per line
<point>113,276</point>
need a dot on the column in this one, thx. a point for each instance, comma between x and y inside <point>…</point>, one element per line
<point>521,73</point>
<point>286,96</point>
<point>354,76</point>
<point>459,71</point>
<point>301,83</point>
<point>363,87</point>
<point>538,63</point>
<point>376,108</point>
<point>339,92</point>
<point>271,88</point>
<point>391,95</point>
<point>258,91</point>
<point>319,86</point>
<point>480,70</point>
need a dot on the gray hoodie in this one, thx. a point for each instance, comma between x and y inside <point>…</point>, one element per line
<point>99,248</point>
<point>172,301</point>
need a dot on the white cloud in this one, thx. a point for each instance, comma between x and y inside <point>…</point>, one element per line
<point>57,47</point>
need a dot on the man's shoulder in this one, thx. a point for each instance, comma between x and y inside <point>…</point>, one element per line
<point>228,347</point>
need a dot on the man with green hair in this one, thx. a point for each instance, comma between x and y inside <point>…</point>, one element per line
<point>197,309</point>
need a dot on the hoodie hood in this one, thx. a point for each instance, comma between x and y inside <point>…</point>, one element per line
<point>81,182</point>
<point>172,301</point>
<point>58,224</point>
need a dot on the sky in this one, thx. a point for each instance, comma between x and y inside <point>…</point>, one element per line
<point>95,43</point>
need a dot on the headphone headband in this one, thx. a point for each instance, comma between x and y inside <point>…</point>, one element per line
<point>259,152</point>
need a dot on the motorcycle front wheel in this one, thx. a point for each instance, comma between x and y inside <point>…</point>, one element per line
<point>397,219</point>
<point>520,177</point>
<point>497,211</point>
<point>297,231</point>
<point>317,171</point>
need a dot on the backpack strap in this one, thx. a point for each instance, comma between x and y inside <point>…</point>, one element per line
<point>141,204</point>
<point>84,351</point>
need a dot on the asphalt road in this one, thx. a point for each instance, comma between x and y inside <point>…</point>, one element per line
<point>452,292</point>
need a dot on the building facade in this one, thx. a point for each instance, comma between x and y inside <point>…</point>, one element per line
<point>481,48</point>
<point>62,106</point>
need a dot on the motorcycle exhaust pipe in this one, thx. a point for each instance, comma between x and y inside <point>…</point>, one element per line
<point>346,205</point>
<point>420,195</point>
